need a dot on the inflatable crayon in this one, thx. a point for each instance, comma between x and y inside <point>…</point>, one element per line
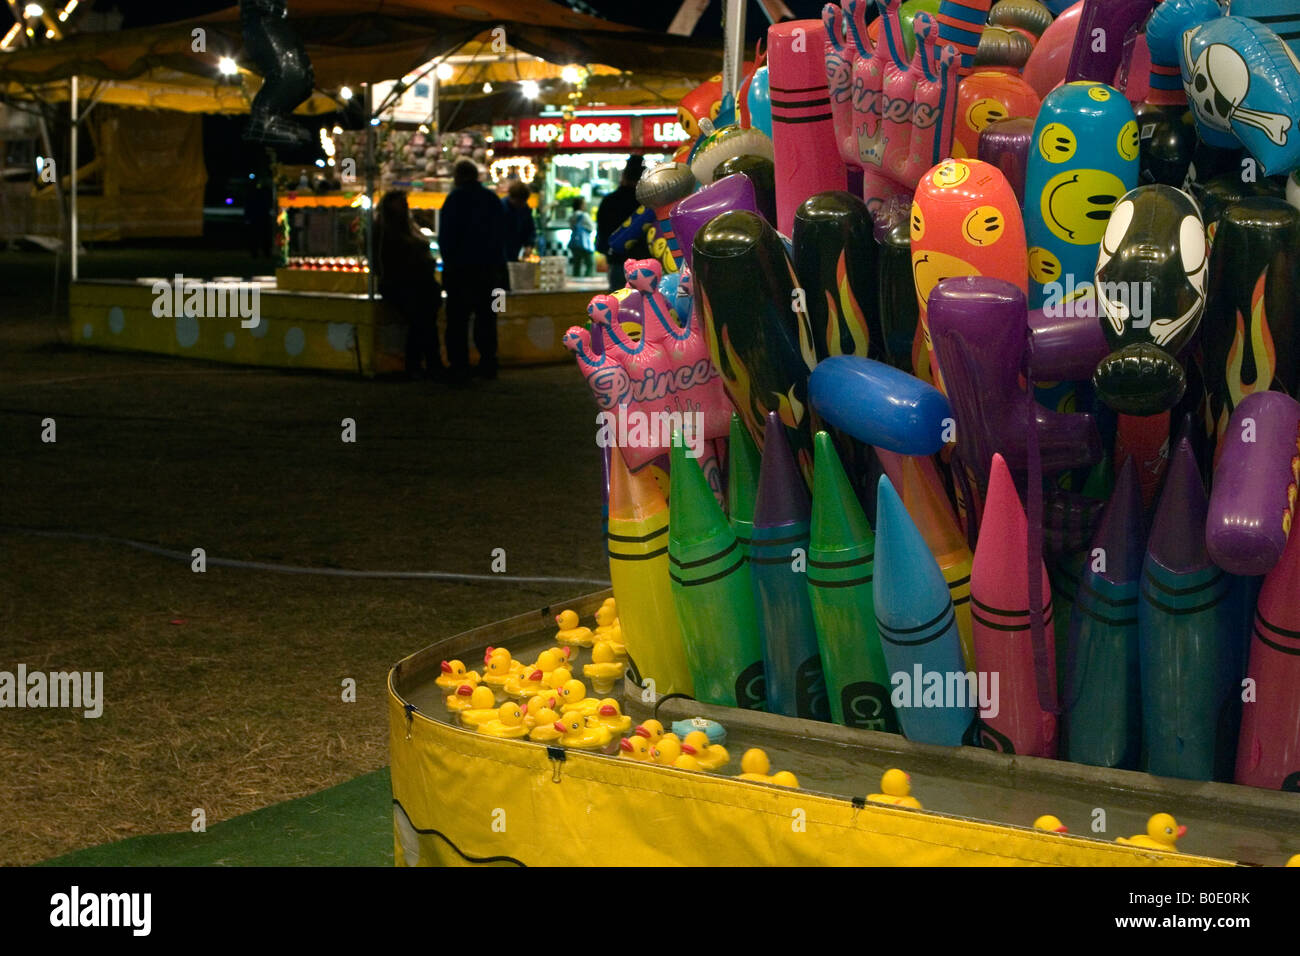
<point>803,132</point>
<point>836,259</point>
<point>713,593</point>
<point>899,310</point>
<point>1251,334</point>
<point>1252,506</point>
<point>1046,67</point>
<point>1005,144</point>
<point>759,341</point>
<point>778,550</point>
<point>742,482</point>
<point>918,630</point>
<point>978,325</point>
<point>1150,283</point>
<point>1118,21</point>
<point>1084,158</point>
<point>1103,719</point>
<point>879,405</point>
<point>960,23</point>
<point>1268,750</point>
<point>660,189</point>
<point>841,558</point>
<point>728,194</point>
<point>999,592</point>
<point>965,222</point>
<point>760,171</point>
<point>639,572</point>
<point>984,98</point>
<point>1189,639</point>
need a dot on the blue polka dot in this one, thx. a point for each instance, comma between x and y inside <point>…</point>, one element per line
<point>87,330</point>
<point>229,340</point>
<point>116,320</point>
<point>294,341</point>
<point>187,330</point>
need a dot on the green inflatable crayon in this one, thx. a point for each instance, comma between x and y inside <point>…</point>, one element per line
<point>841,561</point>
<point>713,592</point>
<point>743,462</point>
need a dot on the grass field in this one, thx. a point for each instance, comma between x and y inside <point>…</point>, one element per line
<point>223,690</point>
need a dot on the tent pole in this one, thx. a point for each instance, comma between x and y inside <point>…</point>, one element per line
<point>733,46</point>
<point>369,210</point>
<point>73,150</point>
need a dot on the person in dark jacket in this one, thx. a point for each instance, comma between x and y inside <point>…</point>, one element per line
<point>472,239</point>
<point>520,229</point>
<point>614,210</point>
<point>408,280</point>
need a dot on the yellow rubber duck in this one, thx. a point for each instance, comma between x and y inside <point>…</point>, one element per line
<point>499,667</point>
<point>572,698</point>
<point>685,761</point>
<point>570,632</point>
<point>482,707</point>
<point>651,730</point>
<point>454,674</point>
<point>755,765</point>
<point>509,722</point>
<point>550,659</point>
<point>611,717</point>
<point>614,642</point>
<point>667,750</point>
<point>582,733</point>
<point>1294,861</point>
<point>708,756</point>
<point>1051,824</point>
<point>897,787</point>
<point>606,622</point>
<point>543,730</point>
<point>556,678</point>
<point>634,748</point>
<point>1162,833</point>
<point>525,684</point>
<point>605,668</point>
<point>535,705</point>
<point>459,700</point>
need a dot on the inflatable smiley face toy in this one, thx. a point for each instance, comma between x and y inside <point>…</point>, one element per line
<point>1151,275</point>
<point>1083,157</point>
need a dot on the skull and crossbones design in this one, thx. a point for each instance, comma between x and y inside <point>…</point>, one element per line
<point>1219,84</point>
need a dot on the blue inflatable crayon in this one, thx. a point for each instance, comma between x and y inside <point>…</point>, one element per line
<point>1189,637</point>
<point>1083,158</point>
<point>879,405</point>
<point>778,555</point>
<point>918,628</point>
<point>1104,721</point>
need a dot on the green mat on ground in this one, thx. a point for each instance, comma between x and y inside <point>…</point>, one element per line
<point>347,825</point>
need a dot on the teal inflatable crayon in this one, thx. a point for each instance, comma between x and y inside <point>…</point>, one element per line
<point>712,592</point>
<point>1190,643</point>
<point>778,554</point>
<point>918,628</point>
<point>1104,722</point>
<point>841,562</point>
<point>742,481</point>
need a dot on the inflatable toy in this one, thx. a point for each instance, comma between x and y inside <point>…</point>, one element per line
<point>1029,18</point>
<point>1064,348</point>
<point>758,99</point>
<point>1252,506</point>
<point>1154,248</point>
<point>879,405</point>
<point>1006,144</point>
<point>1046,67</point>
<point>742,482</point>
<point>1003,50</point>
<point>724,143</point>
<point>906,14</point>
<point>702,103</point>
<point>659,190</point>
<point>986,97</point>
<point>899,310</point>
<point>761,172</point>
<point>838,56</point>
<point>896,790</point>
<point>735,192</point>
<point>1117,21</point>
<point>960,23</point>
<point>1162,833</point>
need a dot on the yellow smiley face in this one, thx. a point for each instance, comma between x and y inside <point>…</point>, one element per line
<point>918,222</point>
<point>930,267</point>
<point>1128,141</point>
<point>1099,93</point>
<point>985,111</point>
<point>1043,266</point>
<point>984,226</point>
<point>1057,142</point>
<point>1076,204</point>
<point>950,173</point>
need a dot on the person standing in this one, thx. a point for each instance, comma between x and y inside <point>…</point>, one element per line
<point>520,229</point>
<point>614,210</point>
<point>408,281</point>
<point>582,239</point>
<point>472,239</point>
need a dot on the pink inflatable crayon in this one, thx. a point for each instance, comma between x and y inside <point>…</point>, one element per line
<point>999,590</point>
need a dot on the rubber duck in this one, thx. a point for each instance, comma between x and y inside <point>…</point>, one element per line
<point>525,684</point>
<point>570,632</point>
<point>459,700</point>
<point>651,730</point>
<point>551,658</point>
<point>605,668</point>
<point>543,730</point>
<point>708,756</point>
<point>1051,824</point>
<point>606,617</point>
<point>1162,833</point>
<point>535,705</point>
<point>1293,861</point>
<point>556,678</point>
<point>454,674</point>
<point>572,698</point>
<point>897,787</point>
<point>667,750</point>
<point>686,761</point>
<point>634,748</point>
<point>482,707</point>
<point>755,765</point>
<point>509,722</point>
<point>611,717</point>
<point>582,733</point>
<point>499,667</point>
<point>614,642</point>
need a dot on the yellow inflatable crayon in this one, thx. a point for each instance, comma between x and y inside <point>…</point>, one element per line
<point>638,569</point>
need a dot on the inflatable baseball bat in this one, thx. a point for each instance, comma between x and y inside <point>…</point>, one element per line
<point>1084,158</point>
<point>761,172</point>
<point>1005,144</point>
<point>1116,19</point>
<point>960,23</point>
<point>899,309</point>
<point>659,190</point>
<point>727,194</point>
<point>879,405</point>
<point>758,340</point>
<point>841,562</point>
<point>986,97</point>
<point>1189,636</point>
<point>803,132</point>
<point>918,629</point>
<point>712,593</point>
<point>1251,334</point>
<point>1103,720</point>
<point>1268,748</point>
<point>1252,506</point>
<point>796,682</point>
<point>639,572</point>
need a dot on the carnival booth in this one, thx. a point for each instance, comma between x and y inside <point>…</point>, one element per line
<point>951,451</point>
